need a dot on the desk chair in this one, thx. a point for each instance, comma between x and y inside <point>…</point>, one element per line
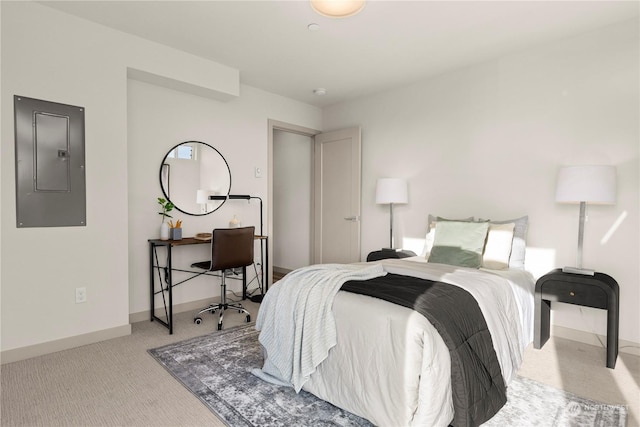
<point>230,248</point>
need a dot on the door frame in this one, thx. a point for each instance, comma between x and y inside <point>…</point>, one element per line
<point>300,130</point>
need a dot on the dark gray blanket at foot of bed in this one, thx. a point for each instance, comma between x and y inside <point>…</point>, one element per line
<point>476,380</point>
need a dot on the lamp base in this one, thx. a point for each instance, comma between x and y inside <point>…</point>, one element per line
<point>576,270</point>
<point>256,298</point>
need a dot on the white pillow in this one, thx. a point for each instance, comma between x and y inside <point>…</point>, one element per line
<point>497,249</point>
<point>519,244</point>
<point>428,241</point>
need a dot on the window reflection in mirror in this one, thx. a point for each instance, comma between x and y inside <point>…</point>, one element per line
<point>183,151</point>
<point>192,171</point>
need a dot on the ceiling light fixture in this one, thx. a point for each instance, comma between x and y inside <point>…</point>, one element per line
<point>337,8</point>
<point>320,91</point>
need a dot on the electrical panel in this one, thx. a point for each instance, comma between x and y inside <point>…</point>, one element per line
<point>50,164</point>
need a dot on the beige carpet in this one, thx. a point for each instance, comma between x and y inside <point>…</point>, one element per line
<point>117,383</point>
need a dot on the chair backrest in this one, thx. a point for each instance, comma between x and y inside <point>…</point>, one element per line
<point>232,247</point>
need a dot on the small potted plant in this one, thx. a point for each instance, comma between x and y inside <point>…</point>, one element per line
<point>167,206</point>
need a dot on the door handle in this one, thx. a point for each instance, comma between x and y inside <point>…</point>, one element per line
<point>353,218</point>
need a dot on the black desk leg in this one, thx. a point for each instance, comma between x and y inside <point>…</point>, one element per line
<point>244,283</point>
<point>151,278</point>
<point>155,268</point>
<point>265,271</point>
<point>542,322</point>
<point>170,289</point>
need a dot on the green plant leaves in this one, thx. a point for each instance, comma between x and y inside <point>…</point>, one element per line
<point>167,206</point>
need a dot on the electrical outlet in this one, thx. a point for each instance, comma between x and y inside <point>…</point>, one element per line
<point>81,295</point>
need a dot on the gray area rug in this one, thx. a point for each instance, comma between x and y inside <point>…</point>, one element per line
<point>217,369</point>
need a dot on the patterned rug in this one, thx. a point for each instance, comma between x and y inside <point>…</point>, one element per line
<point>216,368</point>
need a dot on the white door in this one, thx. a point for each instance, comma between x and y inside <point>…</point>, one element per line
<point>337,170</point>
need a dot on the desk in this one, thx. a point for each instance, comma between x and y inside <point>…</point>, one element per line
<point>154,266</point>
<point>598,291</point>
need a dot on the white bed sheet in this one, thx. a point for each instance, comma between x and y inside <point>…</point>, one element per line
<point>392,367</point>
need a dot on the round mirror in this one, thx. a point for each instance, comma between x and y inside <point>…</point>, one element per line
<point>190,173</point>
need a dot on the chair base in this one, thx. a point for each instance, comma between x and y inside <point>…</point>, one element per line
<point>222,307</point>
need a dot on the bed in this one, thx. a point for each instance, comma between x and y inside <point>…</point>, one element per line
<point>387,362</point>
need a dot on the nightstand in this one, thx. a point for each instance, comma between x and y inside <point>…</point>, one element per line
<point>388,253</point>
<point>598,291</point>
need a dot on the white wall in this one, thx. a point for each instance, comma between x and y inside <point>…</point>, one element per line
<point>158,119</point>
<point>488,140</point>
<point>53,56</point>
<point>291,200</point>
<point>46,56</point>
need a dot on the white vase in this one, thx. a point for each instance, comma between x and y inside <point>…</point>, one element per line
<point>235,222</point>
<point>164,231</point>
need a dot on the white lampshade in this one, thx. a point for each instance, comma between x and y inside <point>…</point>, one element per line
<point>202,196</point>
<point>337,8</point>
<point>591,184</point>
<point>391,190</point>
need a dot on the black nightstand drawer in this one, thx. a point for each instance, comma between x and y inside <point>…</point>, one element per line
<point>574,293</point>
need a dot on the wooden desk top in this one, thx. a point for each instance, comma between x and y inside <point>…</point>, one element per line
<point>189,241</point>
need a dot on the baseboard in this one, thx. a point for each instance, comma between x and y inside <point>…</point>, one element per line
<point>194,306</point>
<point>41,349</point>
<point>624,346</point>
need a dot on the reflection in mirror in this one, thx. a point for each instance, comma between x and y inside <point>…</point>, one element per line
<point>190,173</point>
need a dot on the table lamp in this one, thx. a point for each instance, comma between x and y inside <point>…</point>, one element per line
<point>202,199</point>
<point>585,184</point>
<point>391,190</point>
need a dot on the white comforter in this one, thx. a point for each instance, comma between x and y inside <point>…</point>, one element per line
<point>390,365</point>
<point>298,328</point>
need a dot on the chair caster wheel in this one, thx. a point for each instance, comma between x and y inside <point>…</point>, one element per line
<point>248,318</point>
<point>219,327</point>
<point>197,320</point>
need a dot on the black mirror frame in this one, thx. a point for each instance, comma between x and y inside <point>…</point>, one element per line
<point>162,164</point>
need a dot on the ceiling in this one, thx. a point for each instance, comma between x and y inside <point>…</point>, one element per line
<point>388,44</point>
